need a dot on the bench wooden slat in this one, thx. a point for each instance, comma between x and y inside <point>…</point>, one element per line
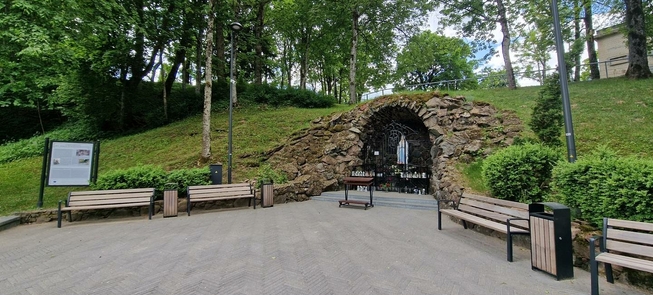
<point>483,222</point>
<point>108,197</point>
<point>494,216</point>
<point>629,236</point>
<point>217,195</point>
<point>217,198</point>
<point>218,190</point>
<point>108,192</point>
<point>495,208</point>
<point>220,186</point>
<point>626,261</point>
<point>127,202</point>
<point>104,206</point>
<point>497,201</point>
<point>629,248</point>
<point>643,226</point>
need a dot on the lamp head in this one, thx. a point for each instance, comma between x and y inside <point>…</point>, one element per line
<point>236,26</point>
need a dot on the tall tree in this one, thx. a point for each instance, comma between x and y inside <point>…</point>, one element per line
<point>476,19</point>
<point>206,115</point>
<point>429,58</point>
<point>637,59</point>
<point>595,74</point>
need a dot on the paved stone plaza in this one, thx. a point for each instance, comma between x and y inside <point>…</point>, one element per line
<point>311,247</point>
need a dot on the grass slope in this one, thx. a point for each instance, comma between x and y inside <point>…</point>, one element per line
<point>178,145</point>
<point>613,112</point>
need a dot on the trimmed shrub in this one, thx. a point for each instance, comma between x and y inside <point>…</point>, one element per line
<point>547,119</point>
<point>520,172</point>
<point>183,178</point>
<point>136,177</point>
<point>605,185</point>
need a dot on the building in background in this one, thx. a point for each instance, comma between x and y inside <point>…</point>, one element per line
<point>613,52</point>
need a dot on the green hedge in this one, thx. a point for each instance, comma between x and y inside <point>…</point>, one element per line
<point>152,176</point>
<point>520,172</point>
<point>605,185</point>
<point>267,94</point>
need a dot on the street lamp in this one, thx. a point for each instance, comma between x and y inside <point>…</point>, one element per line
<point>235,27</point>
<point>564,87</point>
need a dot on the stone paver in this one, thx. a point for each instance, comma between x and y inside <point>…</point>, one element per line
<point>301,248</point>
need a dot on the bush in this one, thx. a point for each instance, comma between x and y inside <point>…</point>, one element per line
<point>266,94</point>
<point>135,177</point>
<point>520,172</point>
<point>265,173</point>
<point>186,177</point>
<point>547,119</point>
<point>605,185</point>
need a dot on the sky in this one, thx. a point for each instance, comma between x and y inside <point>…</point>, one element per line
<point>496,62</point>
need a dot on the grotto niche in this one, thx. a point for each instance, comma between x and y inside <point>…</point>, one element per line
<point>397,152</point>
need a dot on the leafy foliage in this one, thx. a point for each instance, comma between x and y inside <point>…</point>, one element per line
<point>547,119</point>
<point>266,94</point>
<point>520,172</point>
<point>183,178</point>
<point>267,174</point>
<point>143,176</point>
<point>431,58</point>
<point>603,184</point>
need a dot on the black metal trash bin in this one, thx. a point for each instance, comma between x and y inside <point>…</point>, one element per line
<point>551,245</point>
<point>216,173</point>
<point>267,194</point>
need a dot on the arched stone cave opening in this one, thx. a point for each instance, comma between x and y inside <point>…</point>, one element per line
<point>398,166</point>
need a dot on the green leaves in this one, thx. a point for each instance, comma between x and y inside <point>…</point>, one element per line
<point>429,58</point>
<point>606,185</point>
<point>520,172</point>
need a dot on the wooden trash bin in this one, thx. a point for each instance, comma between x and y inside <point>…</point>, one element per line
<point>267,194</point>
<point>170,202</point>
<point>551,245</point>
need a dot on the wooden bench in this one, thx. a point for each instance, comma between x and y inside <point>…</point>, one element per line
<point>507,217</point>
<point>107,199</point>
<point>625,243</point>
<point>358,181</point>
<point>219,192</point>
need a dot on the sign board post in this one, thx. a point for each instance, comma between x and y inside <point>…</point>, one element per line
<point>68,164</point>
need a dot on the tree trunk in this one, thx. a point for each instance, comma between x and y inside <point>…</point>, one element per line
<point>352,57</point>
<point>221,71</point>
<point>165,93</point>
<point>505,45</point>
<point>258,35</point>
<point>576,40</point>
<point>206,116</point>
<point>303,66</point>
<point>637,59</point>
<point>595,74</point>
<point>198,64</point>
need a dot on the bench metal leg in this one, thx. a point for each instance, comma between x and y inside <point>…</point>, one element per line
<point>464,224</point>
<point>608,273</point>
<point>509,247</point>
<point>188,204</point>
<point>59,216</point>
<point>594,275</point>
<point>150,209</point>
<point>439,219</point>
<point>70,216</point>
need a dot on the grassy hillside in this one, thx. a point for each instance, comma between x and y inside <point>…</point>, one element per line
<point>178,145</point>
<point>614,112</point>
